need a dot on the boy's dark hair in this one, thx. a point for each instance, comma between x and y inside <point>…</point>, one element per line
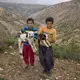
<point>30,19</point>
<point>49,19</point>
<point>26,34</point>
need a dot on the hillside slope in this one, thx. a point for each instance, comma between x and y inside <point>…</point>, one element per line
<point>9,24</point>
<point>67,20</point>
<point>24,9</point>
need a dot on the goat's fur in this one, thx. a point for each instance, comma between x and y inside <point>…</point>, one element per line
<point>42,38</point>
<point>29,36</point>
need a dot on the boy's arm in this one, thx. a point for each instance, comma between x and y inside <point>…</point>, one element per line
<point>35,29</point>
<point>54,37</point>
<point>24,29</point>
<point>40,30</point>
<point>35,33</point>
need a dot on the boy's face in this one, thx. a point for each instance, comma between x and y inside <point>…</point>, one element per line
<point>30,23</point>
<point>49,24</point>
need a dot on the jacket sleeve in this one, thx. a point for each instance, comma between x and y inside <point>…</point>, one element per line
<point>24,29</point>
<point>40,30</point>
<point>35,32</point>
<point>35,29</point>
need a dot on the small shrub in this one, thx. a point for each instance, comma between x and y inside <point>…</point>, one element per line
<point>3,48</point>
<point>3,79</point>
<point>70,51</point>
<point>11,42</point>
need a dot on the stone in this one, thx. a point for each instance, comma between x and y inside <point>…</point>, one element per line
<point>1,69</point>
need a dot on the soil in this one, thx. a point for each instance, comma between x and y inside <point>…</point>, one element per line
<point>14,69</point>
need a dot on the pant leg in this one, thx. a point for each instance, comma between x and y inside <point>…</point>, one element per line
<point>25,54</point>
<point>42,56</point>
<point>31,55</point>
<point>49,59</point>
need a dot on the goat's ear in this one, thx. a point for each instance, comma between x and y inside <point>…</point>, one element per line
<point>26,34</point>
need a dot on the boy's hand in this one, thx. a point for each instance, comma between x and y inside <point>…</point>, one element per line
<point>52,41</point>
<point>50,46</point>
<point>47,47</point>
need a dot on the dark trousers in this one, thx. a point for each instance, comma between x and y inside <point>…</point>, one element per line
<point>28,54</point>
<point>46,57</point>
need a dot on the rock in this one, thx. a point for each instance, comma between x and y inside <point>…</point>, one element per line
<point>57,78</point>
<point>21,57</point>
<point>75,78</point>
<point>47,79</point>
<point>12,54</point>
<point>1,69</point>
<point>36,70</point>
<point>10,47</point>
<point>5,52</point>
<point>67,74</point>
<point>78,64</point>
<point>9,76</point>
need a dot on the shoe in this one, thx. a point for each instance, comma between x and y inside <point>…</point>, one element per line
<point>32,66</point>
<point>44,71</point>
<point>48,73</point>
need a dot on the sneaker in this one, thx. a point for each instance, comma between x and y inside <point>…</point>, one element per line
<point>48,73</point>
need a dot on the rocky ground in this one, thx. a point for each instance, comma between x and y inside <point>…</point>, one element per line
<point>12,68</point>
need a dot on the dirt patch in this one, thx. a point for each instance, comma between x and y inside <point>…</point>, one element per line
<point>13,69</point>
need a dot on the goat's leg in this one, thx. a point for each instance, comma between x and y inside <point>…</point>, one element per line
<point>44,42</point>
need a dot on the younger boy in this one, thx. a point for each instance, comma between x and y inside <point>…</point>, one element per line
<point>28,53</point>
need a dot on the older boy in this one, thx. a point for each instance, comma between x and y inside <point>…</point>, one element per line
<point>46,53</point>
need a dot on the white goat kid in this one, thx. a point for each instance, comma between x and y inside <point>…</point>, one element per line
<point>29,36</point>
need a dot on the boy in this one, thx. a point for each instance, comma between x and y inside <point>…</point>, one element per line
<point>27,49</point>
<point>46,53</point>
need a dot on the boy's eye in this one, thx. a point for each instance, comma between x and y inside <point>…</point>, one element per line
<point>30,23</point>
<point>49,23</point>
